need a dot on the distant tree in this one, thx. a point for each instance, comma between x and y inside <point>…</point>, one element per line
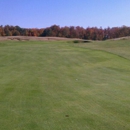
<point>80,32</point>
<point>40,31</point>
<point>15,33</point>
<point>2,31</point>
<point>55,30</point>
<point>124,31</point>
<point>92,33</point>
<point>8,33</point>
<point>73,32</point>
<point>47,32</point>
<point>65,32</point>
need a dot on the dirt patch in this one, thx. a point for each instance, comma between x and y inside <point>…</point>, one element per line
<point>29,38</point>
<point>121,38</point>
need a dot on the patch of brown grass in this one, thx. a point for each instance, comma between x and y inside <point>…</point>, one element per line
<point>30,38</point>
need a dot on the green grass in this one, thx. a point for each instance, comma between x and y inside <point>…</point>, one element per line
<point>65,86</point>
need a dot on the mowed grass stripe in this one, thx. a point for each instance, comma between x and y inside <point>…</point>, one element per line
<point>54,86</point>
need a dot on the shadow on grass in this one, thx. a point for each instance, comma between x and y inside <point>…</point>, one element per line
<point>81,41</point>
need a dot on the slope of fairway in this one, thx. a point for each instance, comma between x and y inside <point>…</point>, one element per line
<point>64,86</point>
<point>118,47</point>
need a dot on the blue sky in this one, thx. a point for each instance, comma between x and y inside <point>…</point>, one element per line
<point>84,13</point>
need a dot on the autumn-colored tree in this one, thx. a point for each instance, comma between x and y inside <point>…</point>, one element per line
<point>80,32</point>
<point>2,32</point>
<point>16,33</point>
<point>65,32</point>
<point>92,33</point>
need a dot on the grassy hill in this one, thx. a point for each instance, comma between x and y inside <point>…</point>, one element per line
<point>60,85</point>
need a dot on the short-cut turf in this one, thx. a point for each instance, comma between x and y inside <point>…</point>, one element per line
<point>64,85</point>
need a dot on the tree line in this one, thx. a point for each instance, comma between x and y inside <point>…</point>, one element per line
<point>89,33</point>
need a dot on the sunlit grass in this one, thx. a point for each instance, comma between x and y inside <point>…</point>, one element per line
<point>64,86</point>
